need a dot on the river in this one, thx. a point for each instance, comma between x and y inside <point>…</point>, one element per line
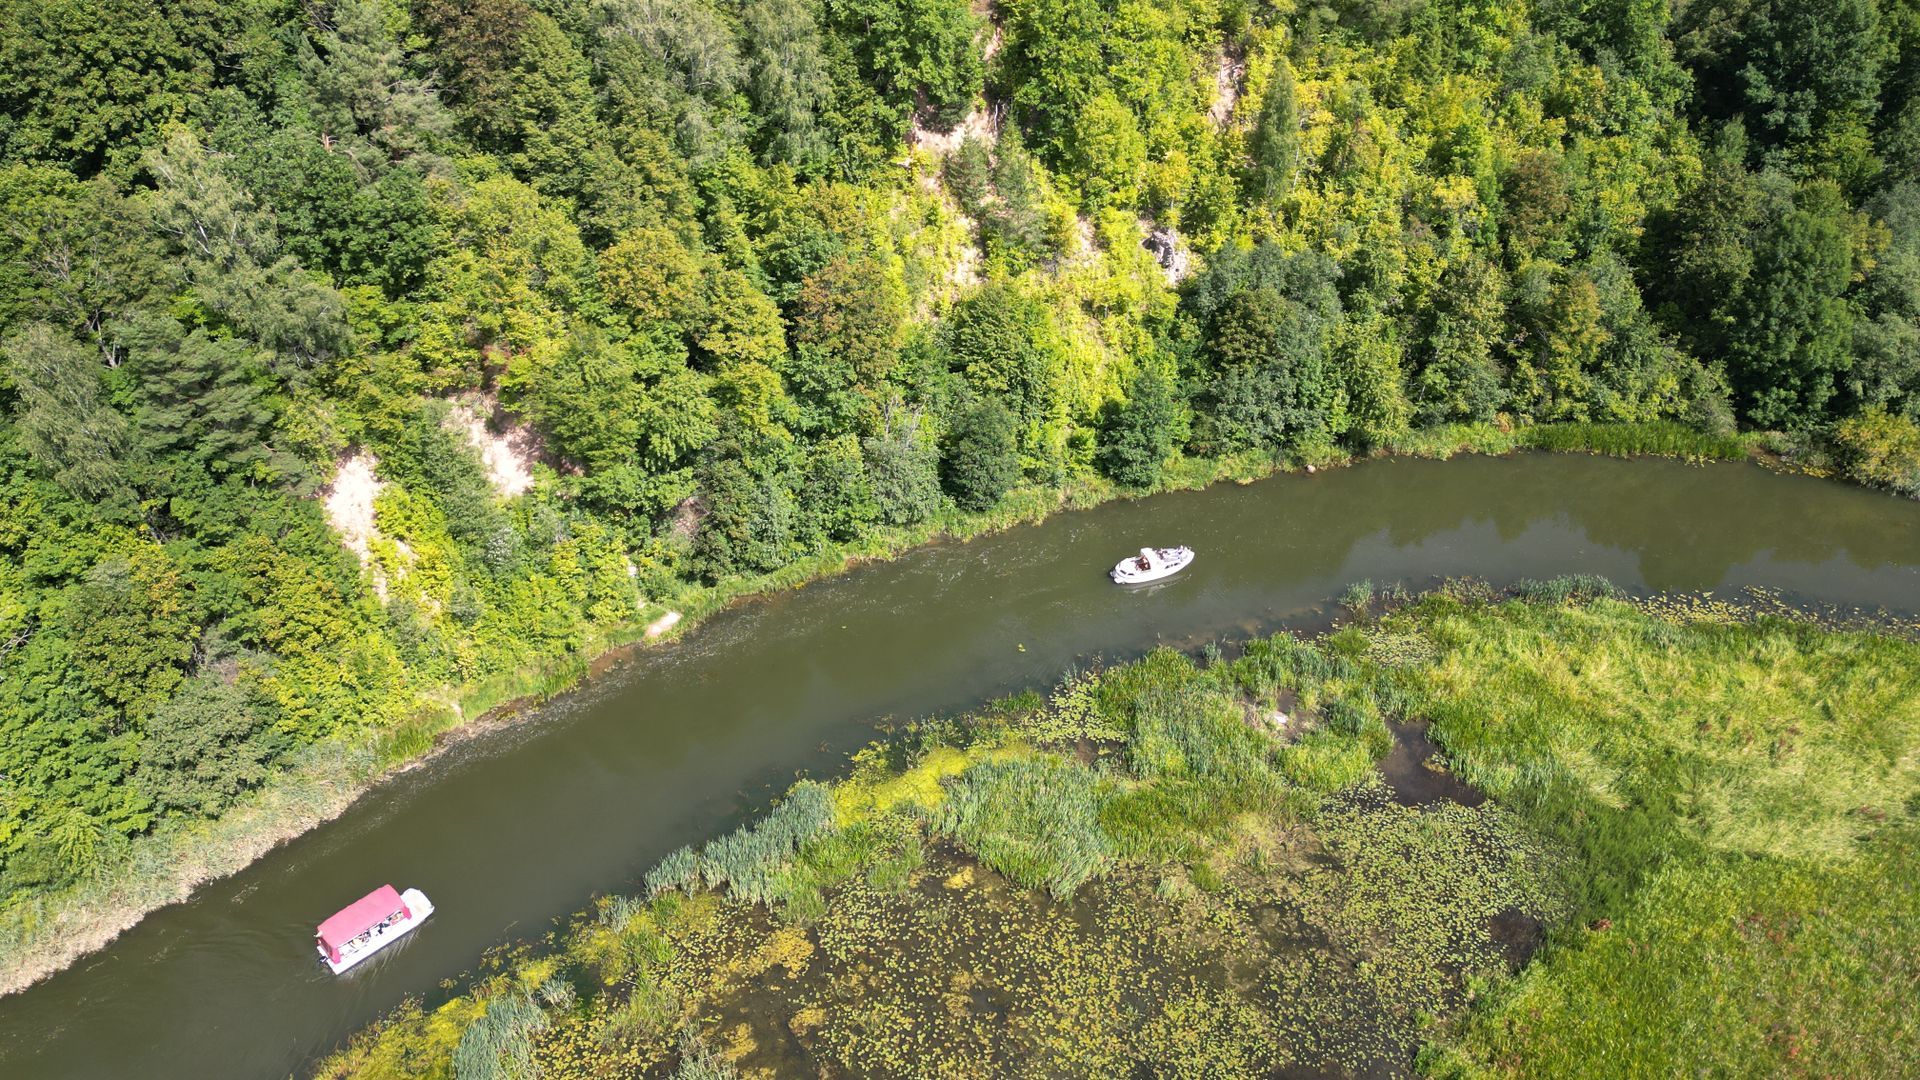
<point>518,828</point>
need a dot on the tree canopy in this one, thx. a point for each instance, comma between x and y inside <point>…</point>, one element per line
<point>354,348</point>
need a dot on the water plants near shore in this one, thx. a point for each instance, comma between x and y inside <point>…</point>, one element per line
<point>1194,869</point>
<point>43,931</point>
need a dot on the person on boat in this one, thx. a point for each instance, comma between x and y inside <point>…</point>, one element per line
<point>1146,559</point>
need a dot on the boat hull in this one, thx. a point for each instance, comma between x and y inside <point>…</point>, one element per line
<point>1173,560</point>
<point>418,908</point>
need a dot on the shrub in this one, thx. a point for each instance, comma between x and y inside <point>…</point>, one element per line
<point>904,472</point>
<point>1137,437</point>
<point>1880,449</point>
<point>1169,820</point>
<point>981,460</point>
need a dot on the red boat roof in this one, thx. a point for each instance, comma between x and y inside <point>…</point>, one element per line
<point>358,917</point>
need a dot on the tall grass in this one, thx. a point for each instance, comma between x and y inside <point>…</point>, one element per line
<point>747,862</point>
<point>1738,800</point>
<point>1660,438</point>
<point>1562,589</point>
<point>1654,439</point>
<point>1723,966</point>
<point>1449,439</point>
<point>1638,741</point>
<point>499,1045</point>
<point>1036,820</point>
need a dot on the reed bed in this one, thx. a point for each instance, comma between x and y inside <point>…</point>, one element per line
<point>1704,817</point>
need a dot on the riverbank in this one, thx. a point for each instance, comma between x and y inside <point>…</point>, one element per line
<point>1197,865</point>
<point>49,932</point>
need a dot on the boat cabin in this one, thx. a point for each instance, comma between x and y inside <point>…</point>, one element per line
<point>355,926</point>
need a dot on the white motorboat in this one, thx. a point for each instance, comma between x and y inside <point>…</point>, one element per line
<point>370,924</point>
<point>1152,564</point>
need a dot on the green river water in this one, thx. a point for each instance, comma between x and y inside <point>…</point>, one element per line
<point>514,829</point>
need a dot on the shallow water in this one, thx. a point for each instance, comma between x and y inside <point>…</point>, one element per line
<point>1414,773</point>
<point>518,828</point>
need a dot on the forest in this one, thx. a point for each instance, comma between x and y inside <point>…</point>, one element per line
<point>355,349</point>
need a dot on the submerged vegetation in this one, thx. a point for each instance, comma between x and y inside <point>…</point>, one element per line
<point>1696,849</point>
<point>365,360</point>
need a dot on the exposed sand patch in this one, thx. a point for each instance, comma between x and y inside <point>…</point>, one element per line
<point>687,515</point>
<point>662,624</point>
<point>349,503</point>
<point>508,450</point>
<point>979,123</point>
<point>928,153</point>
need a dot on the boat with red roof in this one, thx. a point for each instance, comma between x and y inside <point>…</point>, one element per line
<point>370,924</point>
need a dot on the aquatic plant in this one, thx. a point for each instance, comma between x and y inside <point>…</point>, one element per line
<point>698,1061</point>
<point>1036,820</point>
<point>558,994</point>
<point>1659,439</point>
<point>499,1045</point>
<point>680,869</point>
<point>1562,589</point>
<point>1070,714</point>
<point>619,912</point>
<point>1693,806</point>
<point>748,860</point>
<point>1358,597</point>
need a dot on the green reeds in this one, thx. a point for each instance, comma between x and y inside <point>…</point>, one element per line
<point>1358,597</point>
<point>499,1045</point>
<point>1580,587</point>
<point>747,862</point>
<point>1036,820</point>
<point>1653,439</point>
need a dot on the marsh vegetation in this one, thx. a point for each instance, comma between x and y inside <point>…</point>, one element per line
<point>1696,844</point>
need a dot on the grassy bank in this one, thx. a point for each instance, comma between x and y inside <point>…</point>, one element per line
<point>1741,798</point>
<point>48,932</point>
<point>1658,439</point>
<point>1705,816</point>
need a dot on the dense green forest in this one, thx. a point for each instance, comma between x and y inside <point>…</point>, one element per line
<point>551,307</point>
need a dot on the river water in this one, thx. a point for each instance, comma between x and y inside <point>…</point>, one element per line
<point>516,829</point>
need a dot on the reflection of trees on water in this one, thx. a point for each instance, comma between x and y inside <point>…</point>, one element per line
<point>1686,526</point>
